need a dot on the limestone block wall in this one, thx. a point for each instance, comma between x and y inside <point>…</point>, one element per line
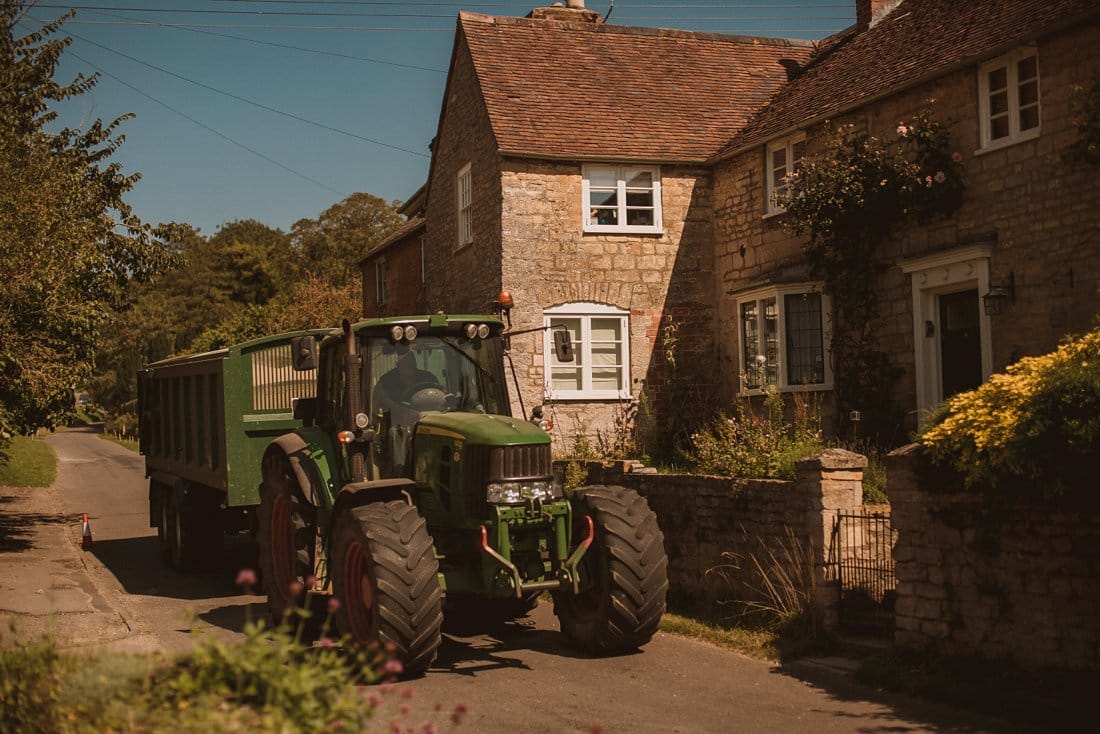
<point>978,576</point>
<point>715,527</point>
<point>548,260</point>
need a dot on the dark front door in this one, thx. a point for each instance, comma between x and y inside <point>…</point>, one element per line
<point>960,342</point>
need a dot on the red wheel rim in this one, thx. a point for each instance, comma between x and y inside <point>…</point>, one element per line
<point>359,603</point>
<point>282,545</point>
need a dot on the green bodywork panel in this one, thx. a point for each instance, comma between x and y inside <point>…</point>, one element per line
<point>481,428</point>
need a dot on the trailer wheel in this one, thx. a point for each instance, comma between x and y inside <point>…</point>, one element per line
<point>385,576</point>
<point>627,568</point>
<point>186,543</point>
<point>286,535</point>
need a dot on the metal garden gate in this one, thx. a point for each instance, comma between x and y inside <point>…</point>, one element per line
<point>863,563</point>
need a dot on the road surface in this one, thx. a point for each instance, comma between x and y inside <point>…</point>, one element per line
<point>519,677</point>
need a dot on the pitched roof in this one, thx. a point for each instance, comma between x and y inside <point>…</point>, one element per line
<point>588,90</point>
<point>917,41</point>
<point>409,228</point>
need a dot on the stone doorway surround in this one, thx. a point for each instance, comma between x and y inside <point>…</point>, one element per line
<point>958,269</point>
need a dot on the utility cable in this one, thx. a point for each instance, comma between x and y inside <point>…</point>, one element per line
<point>262,106</point>
<point>206,127</point>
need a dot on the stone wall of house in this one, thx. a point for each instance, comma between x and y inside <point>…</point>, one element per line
<point>1037,208</point>
<point>727,538</point>
<point>982,576</point>
<point>404,286</point>
<point>659,279</point>
<point>466,279</point>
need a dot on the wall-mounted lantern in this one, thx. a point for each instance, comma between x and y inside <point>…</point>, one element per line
<point>999,296</point>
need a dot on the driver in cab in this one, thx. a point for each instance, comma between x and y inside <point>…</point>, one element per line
<point>395,386</point>
<point>391,399</point>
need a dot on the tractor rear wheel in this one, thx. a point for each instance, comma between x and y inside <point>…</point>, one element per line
<point>626,567</point>
<point>287,536</point>
<point>385,577</point>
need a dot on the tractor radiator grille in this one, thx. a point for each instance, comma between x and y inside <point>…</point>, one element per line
<point>482,464</point>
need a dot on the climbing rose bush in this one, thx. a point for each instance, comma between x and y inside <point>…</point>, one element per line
<point>1033,429</point>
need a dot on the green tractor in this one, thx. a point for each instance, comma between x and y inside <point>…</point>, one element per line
<point>401,485</point>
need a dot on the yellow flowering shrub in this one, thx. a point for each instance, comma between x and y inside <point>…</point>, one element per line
<point>1034,428</point>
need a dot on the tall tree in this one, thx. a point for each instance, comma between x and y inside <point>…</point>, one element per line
<point>70,244</point>
<point>329,248</point>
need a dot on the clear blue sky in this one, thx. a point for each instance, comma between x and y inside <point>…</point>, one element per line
<point>373,69</point>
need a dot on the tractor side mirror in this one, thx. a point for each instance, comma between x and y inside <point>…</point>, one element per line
<point>563,346</point>
<point>303,351</point>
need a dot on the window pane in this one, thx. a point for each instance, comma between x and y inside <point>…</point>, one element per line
<point>779,158</point>
<point>998,103</point>
<point>1026,69</point>
<point>805,341</point>
<point>639,198</point>
<point>771,340</point>
<point>605,355</point>
<point>798,150</point>
<point>605,379</point>
<point>604,330</point>
<point>1029,93</point>
<point>601,197</point>
<point>639,217</point>
<point>998,79</point>
<point>640,180</point>
<point>603,216</point>
<point>563,379</point>
<point>603,177</point>
<point>998,128</point>
<point>1029,118</point>
<point>750,344</point>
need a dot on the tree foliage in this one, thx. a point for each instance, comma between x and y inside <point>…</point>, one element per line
<point>71,245</point>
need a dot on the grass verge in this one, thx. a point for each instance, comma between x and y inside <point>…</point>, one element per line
<point>755,643</point>
<point>126,443</point>
<point>30,462</point>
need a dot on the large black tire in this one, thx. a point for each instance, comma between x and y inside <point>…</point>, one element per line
<point>286,535</point>
<point>189,537</point>
<point>385,576</point>
<point>627,568</point>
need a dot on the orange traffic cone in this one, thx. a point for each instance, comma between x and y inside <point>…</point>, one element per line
<point>86,540</point>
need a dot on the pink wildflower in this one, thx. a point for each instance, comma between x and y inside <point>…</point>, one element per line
<point>326,643</point>
<point>902,129</point>
<point>246,577</point>
<point>395,726</point>
<point>337,725</point>
<point>459,713</point>
<point>939,177</point>
<point>927,180</point>
<point>957,157</point>
<point>404,709</point>
<point>374,699</point>
<point>428,727</point>
<point>597,728</point>
<point>333,605</point>
<point>295,588</point>
<point>387,687</point>
<point>393,667</point>
<point>407,692</point>
<point>311,582</point>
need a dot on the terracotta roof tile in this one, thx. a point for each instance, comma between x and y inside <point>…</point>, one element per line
<point>586,90</point>
<point>919,39</point>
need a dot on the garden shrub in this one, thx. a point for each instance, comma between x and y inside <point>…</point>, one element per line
<point>1033,429</point>
<point>29,673</point>
<point>757,445</point>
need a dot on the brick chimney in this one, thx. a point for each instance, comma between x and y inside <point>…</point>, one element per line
<point>869,12</point>
<point>573,11</point>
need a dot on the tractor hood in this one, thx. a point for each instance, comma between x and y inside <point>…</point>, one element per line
<point>481,428</point>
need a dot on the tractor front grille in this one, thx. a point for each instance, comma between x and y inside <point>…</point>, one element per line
<point>481,464</point>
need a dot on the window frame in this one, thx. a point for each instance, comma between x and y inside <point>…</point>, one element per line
<point>772,187</point>
<point>779,293</point>
<point>380,273</point>
<point>622,172</point>
<point>464,207</point>
<point>586,312</point>
<point>1009,62</point>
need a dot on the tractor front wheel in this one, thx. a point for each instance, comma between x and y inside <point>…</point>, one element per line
<point>626,569</point>
<point>385,577</point>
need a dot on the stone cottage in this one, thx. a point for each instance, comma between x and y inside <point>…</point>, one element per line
<point>570,167</point>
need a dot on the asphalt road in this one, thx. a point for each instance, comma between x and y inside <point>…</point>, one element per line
<point>519,677</point>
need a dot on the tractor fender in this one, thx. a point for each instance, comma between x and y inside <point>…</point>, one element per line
<point>305,470</point>
<point>355,494</point>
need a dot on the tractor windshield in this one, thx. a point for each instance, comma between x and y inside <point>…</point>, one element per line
<point>437,373</point>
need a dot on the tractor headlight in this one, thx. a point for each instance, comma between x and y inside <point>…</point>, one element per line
<point>516,493</point>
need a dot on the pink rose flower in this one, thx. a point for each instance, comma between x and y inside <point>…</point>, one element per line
<point>246,577</point>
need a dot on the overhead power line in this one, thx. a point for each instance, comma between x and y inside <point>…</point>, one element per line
<point>206,127</point>
<point>254,103</point>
